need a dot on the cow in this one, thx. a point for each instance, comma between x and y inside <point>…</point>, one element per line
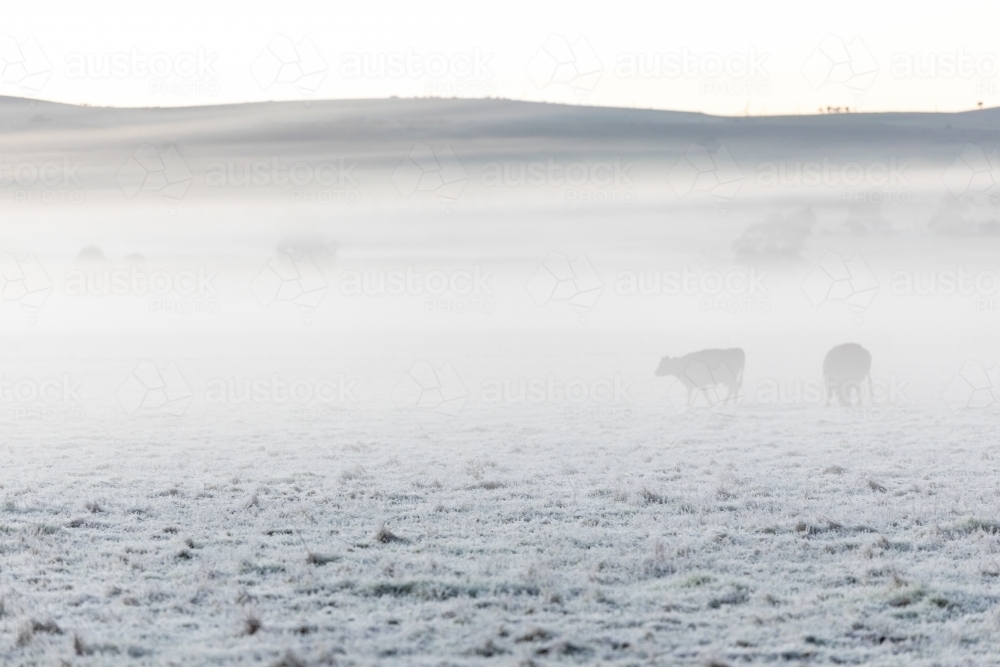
<point>701,371</point>
<point>845,368</point>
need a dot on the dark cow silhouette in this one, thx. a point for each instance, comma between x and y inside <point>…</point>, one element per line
<point>701,371</point>
<point>845,368</point>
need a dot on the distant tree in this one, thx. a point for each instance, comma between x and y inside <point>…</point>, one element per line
<point>781,236</point>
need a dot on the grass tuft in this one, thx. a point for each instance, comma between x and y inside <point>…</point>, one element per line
<point>652,498</point>
<point>289,660</point>
<point>535,634</point>
<point>251,624</point>
<point>386,536</point>
<point>975,525</point>
<point>79,647</point>
<point>489,649</point>
<point>33,627</point>
<point>875,486</point>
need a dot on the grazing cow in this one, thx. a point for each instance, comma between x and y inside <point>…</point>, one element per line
<point>701,371</point>
<point>845,368</point>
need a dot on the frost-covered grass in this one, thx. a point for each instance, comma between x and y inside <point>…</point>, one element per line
<point>776,537</point>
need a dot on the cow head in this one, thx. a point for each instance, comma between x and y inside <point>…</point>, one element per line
<point>667,366</point>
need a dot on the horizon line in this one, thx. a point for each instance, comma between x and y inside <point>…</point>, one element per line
<point>830,110</point>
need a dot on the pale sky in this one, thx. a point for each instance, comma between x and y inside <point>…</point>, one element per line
<point>724,58</point>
